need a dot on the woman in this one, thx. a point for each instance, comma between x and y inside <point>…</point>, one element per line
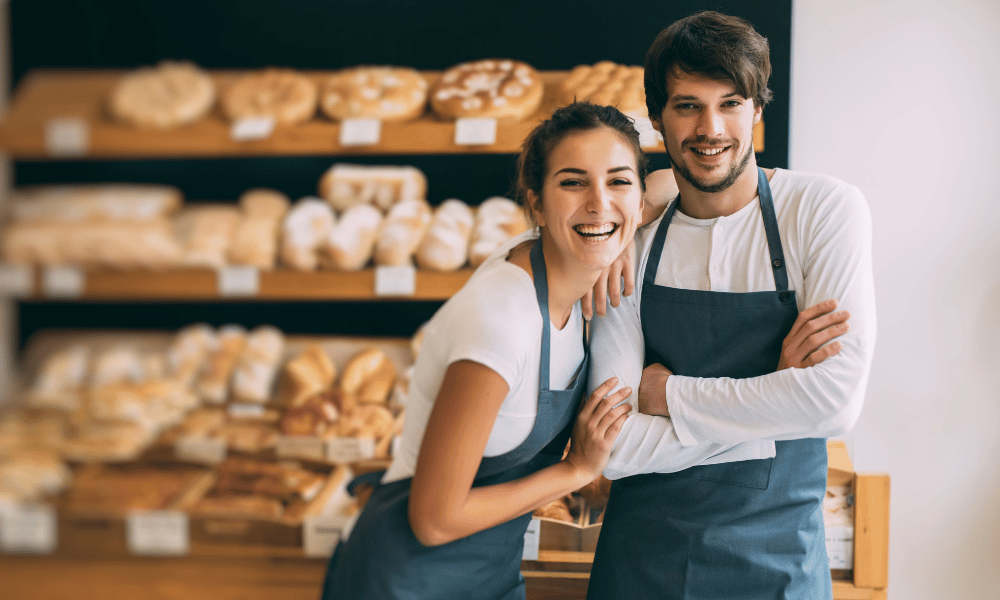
<point>498,384</point>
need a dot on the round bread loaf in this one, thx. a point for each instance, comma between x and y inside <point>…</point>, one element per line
<point>385,93</point>
<point>167,95</point>
<point>493,88</point>
<point>282,94</point>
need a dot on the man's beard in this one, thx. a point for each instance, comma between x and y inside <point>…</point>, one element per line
<point>734,173</point>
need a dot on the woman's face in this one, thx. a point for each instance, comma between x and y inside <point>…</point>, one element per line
<point>591,201</point>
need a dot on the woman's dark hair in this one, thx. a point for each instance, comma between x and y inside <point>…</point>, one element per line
<point>579,116</point>
<point>712,44</point>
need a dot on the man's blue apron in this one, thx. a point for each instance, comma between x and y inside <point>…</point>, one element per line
<point>383,560</point>
<point>744,530</point>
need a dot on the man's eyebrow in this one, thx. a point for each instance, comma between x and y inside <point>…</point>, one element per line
<point>682,98</point>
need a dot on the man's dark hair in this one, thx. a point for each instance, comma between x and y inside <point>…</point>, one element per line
<point>712,44</point>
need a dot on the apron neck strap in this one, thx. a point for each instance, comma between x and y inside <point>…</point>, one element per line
<point>770,230</point>
<point>542,293</point>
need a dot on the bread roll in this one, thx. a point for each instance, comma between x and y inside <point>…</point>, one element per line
<point>307,226</point>
<point>280,94</point>
<point>258,365</point>
<point>401,232</point>
<point>168,95</point>
<point>345,185</point>
<point>445,246</point>
<point>497,220</point>
<point>351,242</point>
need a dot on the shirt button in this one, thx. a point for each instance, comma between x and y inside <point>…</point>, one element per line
<point>783,296</point>
<point>777,263</point>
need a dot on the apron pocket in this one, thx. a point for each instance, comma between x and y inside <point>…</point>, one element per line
<point>503,534</point>
<point>754,474</point>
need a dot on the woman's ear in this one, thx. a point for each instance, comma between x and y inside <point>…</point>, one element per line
<point>535,203</point>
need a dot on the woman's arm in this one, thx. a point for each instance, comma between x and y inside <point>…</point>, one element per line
<point>443,504</point>
<point>661,188</point>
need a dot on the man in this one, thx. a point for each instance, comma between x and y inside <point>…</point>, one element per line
<point>719,483</point>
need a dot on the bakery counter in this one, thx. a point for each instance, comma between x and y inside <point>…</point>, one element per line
<point>64,114</point>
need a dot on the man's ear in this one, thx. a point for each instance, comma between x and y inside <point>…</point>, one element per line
<point>535,204</point>
<point>758,112</point>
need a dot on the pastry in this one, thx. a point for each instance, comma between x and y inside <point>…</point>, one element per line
<point>493,88</point>
<point>345,185</point>
<point>280,94</point>
<point>170,94</point>
<point>445,246</point>
<point>307,226</point>
<point>497,220</point>
<point>351,242</point>
<point>605,83</point>
<point>401,232</point>
<point>384,93</point>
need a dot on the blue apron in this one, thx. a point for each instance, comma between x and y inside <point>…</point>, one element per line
<point>744,530</point>
<point>383,560</point>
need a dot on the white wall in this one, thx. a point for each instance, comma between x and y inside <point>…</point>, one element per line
<point>903,100</point>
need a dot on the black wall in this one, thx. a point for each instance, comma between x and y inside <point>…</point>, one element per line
<point>325,35</point>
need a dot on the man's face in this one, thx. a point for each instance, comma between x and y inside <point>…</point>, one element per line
<point>707,128</point>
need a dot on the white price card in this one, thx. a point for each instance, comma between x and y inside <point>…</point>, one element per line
<point>28,529</point>
<point>245,410</point>
<point>67,137</point>
<point>395,281</point>
<point>321,534</point>
<point>840,547</point>
<point>360,132</point>
<point>475,132</point>
<point>301,446</point>
<point>200,449</point>
<point>239,281</point>
<point>16,281</point>
<point>157,532</point>
<point>348,449</point>
<point>532,538</point>
<point>248,130</point>
<point>63,282</point>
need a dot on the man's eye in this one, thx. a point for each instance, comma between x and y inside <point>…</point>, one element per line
<point>685,107</point>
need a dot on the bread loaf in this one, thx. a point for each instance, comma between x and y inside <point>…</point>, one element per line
<point>307,226</point>
<point>168,95</point>
<point>213,386</point>
<point>255,240</point>
<point>258,365</point>
<point>61,379</point>
<point>351,242</point>
<point>189,352</point>
<point>384,93</point>
<point>306,375</point>
<point>401,233</point>
<point>605,83</point>
<point>494,88</point>
<point>345,185</point>
<point>205,234</point>
<point>280,94</point>
<point>360,368</point>
<point>95,202</point>
<point>445,246</point>
<point>497,220</point>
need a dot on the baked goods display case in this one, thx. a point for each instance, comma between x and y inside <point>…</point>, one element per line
<point>212,461</point>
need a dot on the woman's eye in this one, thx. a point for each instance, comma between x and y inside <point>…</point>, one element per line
<point>570,182</point>
<point>621,181</point>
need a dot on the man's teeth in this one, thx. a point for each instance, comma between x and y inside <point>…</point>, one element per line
<point>596,230</point>
<point>708,151</point>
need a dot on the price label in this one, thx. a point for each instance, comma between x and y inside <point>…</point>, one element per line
<point>248,130</point>
<point>395,281</point>
<point>348,449</point>
<point>360,132</point>
<point>17,281</point>
<point>321,534</point>
<point>67,137</point>
<point>200,449</point>
<point>245,410</point>
<point>840,547</point>
<point>475,132</point>
<point>304,446</point>
<point>532,538</point>
<point>63,282</point>
<point>239,281</point>
<point>28,529</point>
<point>157,532</point>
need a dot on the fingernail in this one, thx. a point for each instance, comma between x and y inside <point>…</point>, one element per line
<point>627,390</point>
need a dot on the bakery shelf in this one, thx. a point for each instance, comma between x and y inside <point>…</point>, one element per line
<point>204,284</point>
<point>31,128</point>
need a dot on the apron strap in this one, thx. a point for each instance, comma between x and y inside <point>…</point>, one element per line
<point>542,293</point>
<point>653,262</point>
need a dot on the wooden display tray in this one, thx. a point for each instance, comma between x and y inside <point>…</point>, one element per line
<point>46,95</point>
<point>280,285</point>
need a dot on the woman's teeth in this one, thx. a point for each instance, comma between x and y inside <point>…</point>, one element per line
<point>596,232</point>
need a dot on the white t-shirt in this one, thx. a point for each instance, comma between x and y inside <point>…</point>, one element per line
<point>825,230</point>
<point>493,320</point>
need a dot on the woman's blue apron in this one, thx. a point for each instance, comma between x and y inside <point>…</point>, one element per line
<point>743,530</point>
<point>383,560</point>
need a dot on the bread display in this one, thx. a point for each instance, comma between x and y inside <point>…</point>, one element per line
<point>117,491</point>
<point>168,95</point>
<point>313,416</point>
<point>205,234</point>
<point>346,185</point>
<point>384,93</point>
<point>306,375</point>
<point>61,379</point>
<point>445,246</point>
<point>189,352</point>
<point>255,240</point>
<point>258,365</point>
<point>80,203</point>
<point>605,83</point>
<point>351,242</point>
<point>280,94</point>
<point>247,487</point>
<point>494,88</point>
<point>401,232</point>
<point>213,385</point>
<point>306,228</point>
<point>497,220</point>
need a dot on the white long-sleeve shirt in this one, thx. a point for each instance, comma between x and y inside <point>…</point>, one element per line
<point>825,229</point>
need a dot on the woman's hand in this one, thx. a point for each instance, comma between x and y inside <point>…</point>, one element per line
<point>597,428</point>
<point>815,326</point>
<point>609,284</point>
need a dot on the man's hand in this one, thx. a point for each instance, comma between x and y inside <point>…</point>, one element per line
<point>609,284</point>
<point>815,326</point>
<point>652,390</point>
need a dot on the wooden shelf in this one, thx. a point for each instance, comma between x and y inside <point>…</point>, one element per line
<point>45,96</point>
<point>204,284</point>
